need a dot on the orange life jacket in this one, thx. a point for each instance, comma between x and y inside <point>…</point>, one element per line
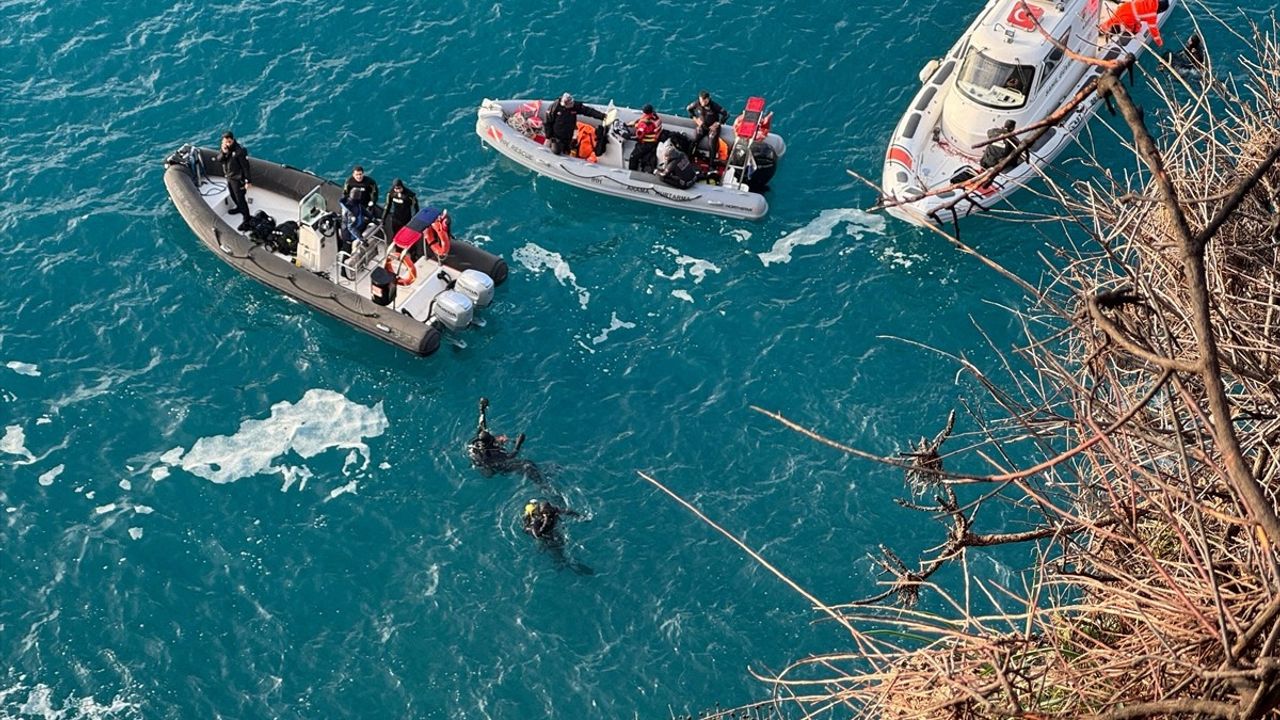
<point>439,236</point>
<point>1132,15</point>
<point>586,142</point>
<point>648,128</point>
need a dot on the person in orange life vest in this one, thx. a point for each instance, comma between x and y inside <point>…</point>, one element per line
<point>562,120</point>
<point>586,148</point>
<point>647,129</point>
<point>1132,15</point>
<point>708,116</point>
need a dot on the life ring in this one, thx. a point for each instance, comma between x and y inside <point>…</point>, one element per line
<point>390,266</point>
<point>438,237</point>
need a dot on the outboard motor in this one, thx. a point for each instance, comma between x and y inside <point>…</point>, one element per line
<point>452,309</point>
<point>475,285</point>
<point>766,162</point>
<point>382,286</point>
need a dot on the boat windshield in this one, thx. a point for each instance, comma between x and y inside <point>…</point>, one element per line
<point>993,83</point>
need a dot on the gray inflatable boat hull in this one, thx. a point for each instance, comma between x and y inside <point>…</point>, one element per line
<point>278,273</point>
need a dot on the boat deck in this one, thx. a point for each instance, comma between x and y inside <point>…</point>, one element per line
<point>413,300</point>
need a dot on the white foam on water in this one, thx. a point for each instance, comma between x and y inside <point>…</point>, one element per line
<point>43,420</point>
<point>348,488</point>
<point>354,459</point>
<point>14,443</point>
<point>614,324</point>
<point>294,475</point>
<point>857,224</point>
<point>38,702</point>
<point>697,268</point>
<point>23,368</point>
<point>682,295</point>
<point>384,465</point>
<point>536,259</point>
<point>126,485</point>
<point>104,509</point>
<point>143,509</point>
<point>742,236</point>
<point>135,533</point>
<point>47,478</point>
<point>320,421</point>
<point>897,258</point>
<point>433,579</point>
<point>159,473</point>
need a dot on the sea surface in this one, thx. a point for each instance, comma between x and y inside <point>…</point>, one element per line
<point>215,502</point>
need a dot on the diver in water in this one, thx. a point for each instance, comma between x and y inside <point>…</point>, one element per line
<point>542,523</point>
<point>1191,59</point>
<point>488,452</point>
<point>541,519</point>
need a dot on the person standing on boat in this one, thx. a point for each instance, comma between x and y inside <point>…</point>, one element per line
<point>359,195</point>
<point>709,117</point>
<point>562,121</point>
<point>235,169</point>
<point>648,128</point>
<point>402,205</point>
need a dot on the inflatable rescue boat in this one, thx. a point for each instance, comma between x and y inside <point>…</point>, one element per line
<point>732,185</point>
<point>1004,69</point>
<point>411,290</point>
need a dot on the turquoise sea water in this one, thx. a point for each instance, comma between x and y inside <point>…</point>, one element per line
<point>216,503</point>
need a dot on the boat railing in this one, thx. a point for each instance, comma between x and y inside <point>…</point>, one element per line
<point>355,262</point>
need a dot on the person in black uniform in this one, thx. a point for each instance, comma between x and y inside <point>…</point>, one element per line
<point>562,121</point>
<point>359,195</point>
<point>709,117</point>
<point>542,523</point>
<point>996,152</point>
<point>488,452</point>
<point>235,169</point>
<point>541,519</point>
<point>402,205</point>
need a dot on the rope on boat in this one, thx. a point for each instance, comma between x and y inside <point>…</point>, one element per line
<point>651,187</point>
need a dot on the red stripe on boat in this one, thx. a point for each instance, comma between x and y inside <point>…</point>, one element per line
<point>900,155</point>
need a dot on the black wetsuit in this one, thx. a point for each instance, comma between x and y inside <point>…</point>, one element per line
<point>359,197</point>
<point>235,169</point>
<point>541,519</point>
<point>712,115</point>
<point>402,205</point>
<point>996,152</point>
<point>491,456</point>
<point>562,121</point>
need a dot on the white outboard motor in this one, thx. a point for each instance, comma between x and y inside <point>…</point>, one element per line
<point>475,285</point>
<point>453,309</point>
